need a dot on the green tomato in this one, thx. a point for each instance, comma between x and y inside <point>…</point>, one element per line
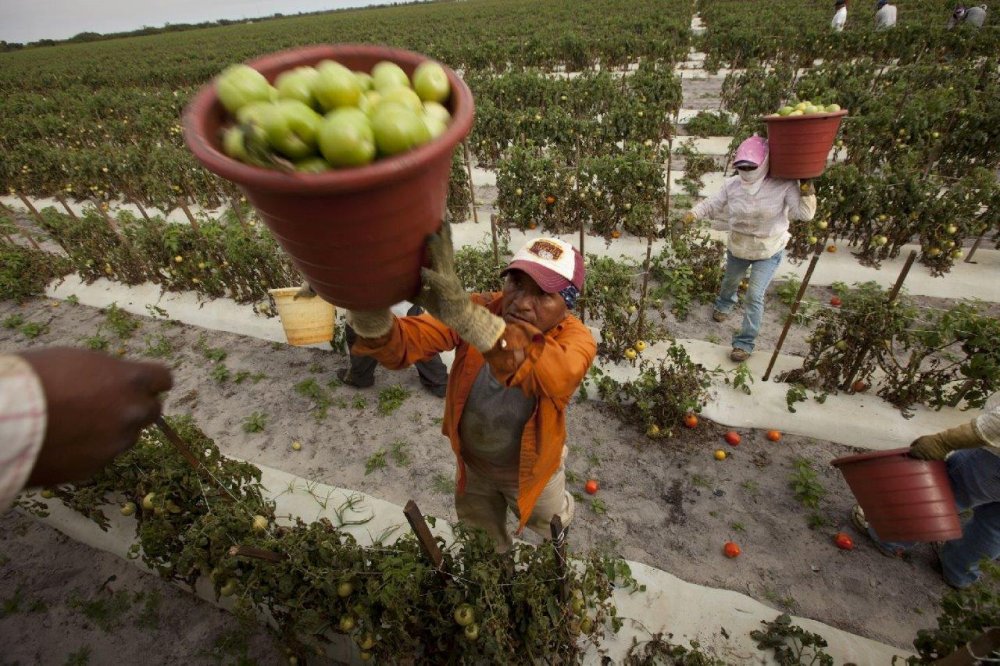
<point>229,588</point>
<point>233,145</point>
<point>366,642</point>
<point>336,86</point>
<point>312,165</point>
<point>297,84</point>
<point>388,75</point>
<point>435,127</point>
<point>398,129</point>
<point>147,501</point>
<point>785,110</point>
<point>48,493</point>
<point>344,589</point>
<point>347,624</point>
<point>832,108</point>
<point>369,101</point>
<point>128,509</point>
<point>346,138</point>
<point>435,110</point>
<point>431,82</point>
<point>365,81</point>
<point>403,97</point>
<point>472,631</point>
<point>464,615</point>
<point>239,85</point>
<point>291,128</point>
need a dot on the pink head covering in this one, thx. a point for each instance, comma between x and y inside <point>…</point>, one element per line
<point>753,150</point>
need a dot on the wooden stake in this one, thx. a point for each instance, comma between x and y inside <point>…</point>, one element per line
<point>257,553</point>
<point>428,545</point>
<point>61,200</point>
<point>31,207</point>
<point>975,246</point>
<point>472,187</point>
<point>645,287</point>
<point>559,538</point>
<point>848,384</point>
<point>235,206</point>
<point>185,452</point>
<point>496,245</point>
<point>194,223</point>
<point>583,235</point>
<point>791,315</point>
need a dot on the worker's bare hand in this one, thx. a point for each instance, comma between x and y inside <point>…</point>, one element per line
<point>96,407</point>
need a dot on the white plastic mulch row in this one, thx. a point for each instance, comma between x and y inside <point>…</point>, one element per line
<point>689,612</point>
<point>836,420</point>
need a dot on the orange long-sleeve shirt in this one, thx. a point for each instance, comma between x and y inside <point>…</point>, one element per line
<point>554,364</point>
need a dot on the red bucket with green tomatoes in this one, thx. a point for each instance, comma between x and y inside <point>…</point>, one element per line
<point>356,234</point>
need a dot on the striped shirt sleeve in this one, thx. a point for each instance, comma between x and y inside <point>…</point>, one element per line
<point>22,425</point>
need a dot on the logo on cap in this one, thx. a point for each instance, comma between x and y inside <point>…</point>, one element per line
<point>545,249</point>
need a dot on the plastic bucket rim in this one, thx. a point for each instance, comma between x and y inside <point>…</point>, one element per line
<point>206,101</point>
<point>872,455</point>
<point>812,116</point>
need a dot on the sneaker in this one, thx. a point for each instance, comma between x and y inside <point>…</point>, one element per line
<point>739,355</point>
<point>719,316</point>
<point>344,375</point>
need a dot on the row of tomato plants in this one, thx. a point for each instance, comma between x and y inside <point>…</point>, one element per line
<point>906,353</point>
<point>514,607</point>
<point>488,34</point>
<point>738,34</point>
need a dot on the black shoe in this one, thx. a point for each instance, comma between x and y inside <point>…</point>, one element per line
<point>344,375</point>
<point>437,391</point>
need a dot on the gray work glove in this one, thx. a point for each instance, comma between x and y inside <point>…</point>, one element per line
<point>939,445</point>
<point>444,297</point>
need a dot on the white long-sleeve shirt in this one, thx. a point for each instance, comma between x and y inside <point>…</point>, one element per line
<point>885,17</point>
<point>839,19</point>
<point>758,223</point>
<point>22,425</point>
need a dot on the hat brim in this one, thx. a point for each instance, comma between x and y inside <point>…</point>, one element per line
<point>547,279</point>
<point>749,163</point>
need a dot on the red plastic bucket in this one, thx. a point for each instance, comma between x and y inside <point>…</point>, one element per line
<point>357,235</point>
<point>904,499</point>
<point>799,145</point>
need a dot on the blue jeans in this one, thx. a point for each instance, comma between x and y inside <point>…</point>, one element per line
<point>975,479</point>
<point>761,273</point>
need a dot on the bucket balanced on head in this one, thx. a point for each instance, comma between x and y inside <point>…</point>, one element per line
<point>357,231</point>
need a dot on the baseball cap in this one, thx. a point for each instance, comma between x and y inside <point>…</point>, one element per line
<point>552,263</point>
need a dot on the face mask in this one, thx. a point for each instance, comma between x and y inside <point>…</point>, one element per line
<point>747,176</point>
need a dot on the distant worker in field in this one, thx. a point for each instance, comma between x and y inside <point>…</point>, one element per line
<point>971,16</point>
<point>519,358</point>
<point>66,413</point>
<point>972,453</point>
<point>885,15</point>
<point>759,210</point>
<point>839,16</point>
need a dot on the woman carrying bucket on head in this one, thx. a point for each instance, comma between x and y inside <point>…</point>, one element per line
<point>759,210</point>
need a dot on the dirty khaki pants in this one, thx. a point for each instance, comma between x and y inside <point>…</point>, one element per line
<point>485,502</point>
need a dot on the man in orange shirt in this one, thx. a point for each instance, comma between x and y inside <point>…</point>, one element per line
<point>519,358</point>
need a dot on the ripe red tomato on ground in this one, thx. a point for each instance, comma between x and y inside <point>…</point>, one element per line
<point>550,199</point>
<point>859,386</point>
<point>591,487</point>
<point>843,541</point>
<point>836,302</point>
<point>691,421</point>
<point>732,438</point>
<point>731,550</point>
<point>774,435</point>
